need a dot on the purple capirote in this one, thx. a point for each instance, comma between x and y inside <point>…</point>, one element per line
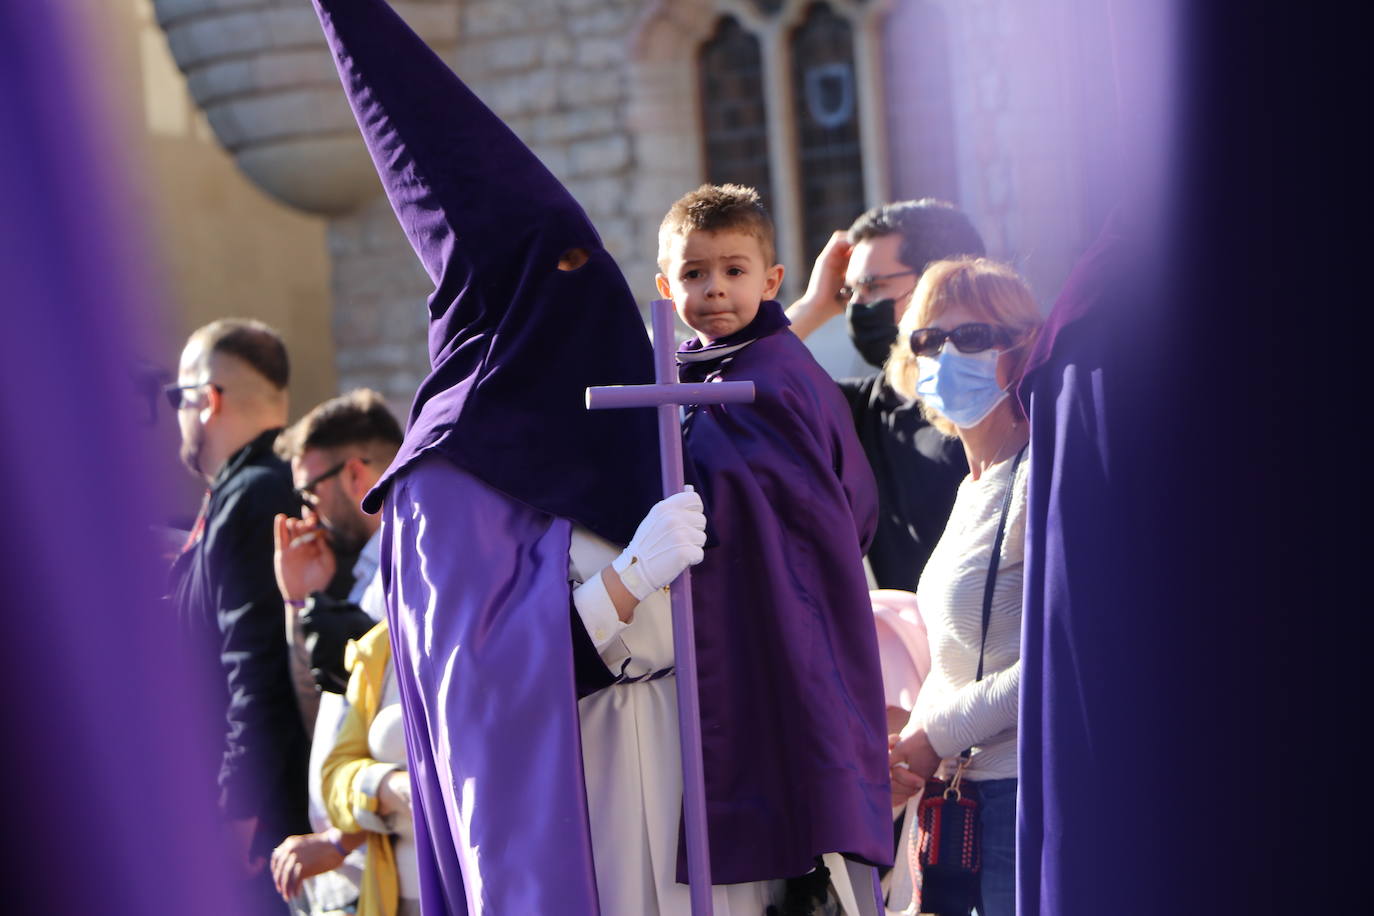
<point>492,674</point>
<point>513,340</point>
<point>100,711</point>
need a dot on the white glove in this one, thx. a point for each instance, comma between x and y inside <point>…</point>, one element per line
<point>668,541</point>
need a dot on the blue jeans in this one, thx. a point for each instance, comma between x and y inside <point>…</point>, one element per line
<point>999,847</point>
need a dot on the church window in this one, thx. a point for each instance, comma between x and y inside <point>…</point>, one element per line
<point>734,113</point>
<point>825,97</point>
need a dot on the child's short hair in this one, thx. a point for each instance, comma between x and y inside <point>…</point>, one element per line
<point>718,208</point>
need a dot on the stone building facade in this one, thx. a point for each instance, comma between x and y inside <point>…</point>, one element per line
<point>839,104</point>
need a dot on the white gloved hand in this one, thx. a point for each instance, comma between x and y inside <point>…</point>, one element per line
<point>668,541</point>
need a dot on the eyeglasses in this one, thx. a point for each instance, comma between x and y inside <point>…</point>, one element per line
<point>307,492</point>
<point>865,285</point>
<point>175,397</point>
<point>974,337</point>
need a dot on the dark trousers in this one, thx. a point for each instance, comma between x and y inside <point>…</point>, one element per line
<point>998,883</point>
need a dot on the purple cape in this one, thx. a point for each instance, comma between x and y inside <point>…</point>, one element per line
<point>513,341</point>
<point>793,725</point>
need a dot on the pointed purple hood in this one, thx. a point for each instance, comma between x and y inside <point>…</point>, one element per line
<point>513,340</point>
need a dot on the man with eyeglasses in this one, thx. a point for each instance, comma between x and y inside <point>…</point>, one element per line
<point>231,402</point>
<point>868,275</point>
<point>337,451</point>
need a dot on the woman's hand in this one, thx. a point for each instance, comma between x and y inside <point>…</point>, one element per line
<point>393,794</point>
<point>905,783</point>
<point>912,761</point>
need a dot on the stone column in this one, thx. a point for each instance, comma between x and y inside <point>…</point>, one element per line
<point>261,72</point>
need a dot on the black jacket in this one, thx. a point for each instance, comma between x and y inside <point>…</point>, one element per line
<point>231,611</point>
<point>918,470</point>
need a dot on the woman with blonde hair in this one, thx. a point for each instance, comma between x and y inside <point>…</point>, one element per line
<point>960,350</point>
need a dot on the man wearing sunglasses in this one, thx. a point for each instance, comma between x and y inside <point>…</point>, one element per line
<point>230,400</point>
<point>868,275</point>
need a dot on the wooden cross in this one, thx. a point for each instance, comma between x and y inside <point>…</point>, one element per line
<point>668,395</point>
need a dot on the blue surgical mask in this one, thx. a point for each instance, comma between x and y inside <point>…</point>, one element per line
<point>961,386</point>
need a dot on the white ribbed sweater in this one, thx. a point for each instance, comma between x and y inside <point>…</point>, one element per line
<point>956,711</point>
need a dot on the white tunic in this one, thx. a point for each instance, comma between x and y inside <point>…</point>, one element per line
<point>630,752</point>
<point>633,771</point>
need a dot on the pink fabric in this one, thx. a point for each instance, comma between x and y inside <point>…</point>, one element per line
<point>903,649</point>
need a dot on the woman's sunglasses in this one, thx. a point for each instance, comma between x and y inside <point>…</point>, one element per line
<point>974,337</point>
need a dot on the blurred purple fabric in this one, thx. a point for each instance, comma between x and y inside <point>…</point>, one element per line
<point>97,715</point>
<point>1148,770</point>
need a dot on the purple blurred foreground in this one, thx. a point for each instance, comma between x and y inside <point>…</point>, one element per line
<point>97,716</point>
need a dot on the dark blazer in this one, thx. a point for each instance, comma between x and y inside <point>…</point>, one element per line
<point>918,470</point>
<point>231,611</point>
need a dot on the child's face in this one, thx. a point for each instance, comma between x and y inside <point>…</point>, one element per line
<point>717,280</point>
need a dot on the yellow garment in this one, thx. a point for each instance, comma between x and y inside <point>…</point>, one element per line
<point>380,892</point>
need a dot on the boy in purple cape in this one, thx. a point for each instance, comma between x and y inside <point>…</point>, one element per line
<point>793,721</point>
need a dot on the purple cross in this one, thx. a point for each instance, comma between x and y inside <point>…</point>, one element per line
<point>668,395</point>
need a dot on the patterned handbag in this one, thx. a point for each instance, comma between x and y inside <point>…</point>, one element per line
<point>947,842</point>
<point>946,852</point>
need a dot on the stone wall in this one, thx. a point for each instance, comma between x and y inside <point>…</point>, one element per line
<point>556,71</point>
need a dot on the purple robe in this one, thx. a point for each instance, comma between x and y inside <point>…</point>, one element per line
<point>1071,651</point>
<point>483,646</point>
<point>1152,750</point>
<point>794,733</point>
<point>1144,768</point>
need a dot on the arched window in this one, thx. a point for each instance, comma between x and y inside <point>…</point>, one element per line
<point>733,111</point>
<point>817,157</point>
<point>825,94</point>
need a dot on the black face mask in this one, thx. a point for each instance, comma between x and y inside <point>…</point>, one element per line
<point>872,329</point>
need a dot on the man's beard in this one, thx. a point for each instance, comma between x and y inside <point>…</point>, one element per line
<point>345,539</point>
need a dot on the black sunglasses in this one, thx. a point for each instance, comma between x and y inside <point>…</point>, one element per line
<point>177,400</point>
<point>974,337</point>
